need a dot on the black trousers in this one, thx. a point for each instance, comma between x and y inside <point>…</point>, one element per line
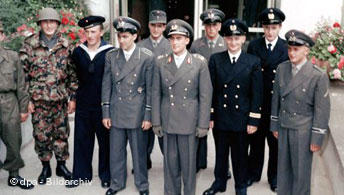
<point>257,149</point>
<point>150,143</point>
<point>88,124</point>
<point>238,143</point>
<point>201,155</point>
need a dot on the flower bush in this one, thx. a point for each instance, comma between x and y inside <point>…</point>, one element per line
<point>69,28</point>
<point>329,48</point>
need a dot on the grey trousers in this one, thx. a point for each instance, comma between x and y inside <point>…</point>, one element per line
<point>118,157</point>
<point>179,163</point>
<point>294,162</point>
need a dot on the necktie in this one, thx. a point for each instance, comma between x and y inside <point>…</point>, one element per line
<point>233,60</point>
<point>269,47</point>
<point>211,44</point>
<point>293,70</point>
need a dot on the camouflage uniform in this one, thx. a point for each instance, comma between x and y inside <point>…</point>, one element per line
<point>51,81</point>
<point>13,100</point>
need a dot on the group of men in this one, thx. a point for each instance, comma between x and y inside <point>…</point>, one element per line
<point>157,86</point>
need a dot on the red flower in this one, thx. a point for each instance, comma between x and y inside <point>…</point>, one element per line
<point>64,21</point>
<point>21,28</point>
<point>313,60</point>
<point>72,23</point>
<point>332,49</point>
<point>336,25</point>
<point>63,30</point>
<point>72,35</point>
<point>341,63</point>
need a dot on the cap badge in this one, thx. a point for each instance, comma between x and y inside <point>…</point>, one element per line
<point>211,15</point>
<point>86,21</point>
<point>174,27</point>
<point>271,16</point>
<point>233,27</point>
<point>292,37</point>
<point>121,23</point>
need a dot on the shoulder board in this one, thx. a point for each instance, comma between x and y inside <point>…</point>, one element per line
<point>318,68</point>
<point>146,51</point>
<point>196,55</point>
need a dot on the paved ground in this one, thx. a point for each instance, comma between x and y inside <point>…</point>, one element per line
<point>33,168</point>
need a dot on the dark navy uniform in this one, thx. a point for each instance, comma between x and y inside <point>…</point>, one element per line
<point>270,59</point>
<point>88,115</point>
<point>236,103</point>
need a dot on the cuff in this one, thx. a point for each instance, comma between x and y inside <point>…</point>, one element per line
<point>148,113</point>
<point>274,123</point>
<point>254,119</point>
<point>106,109</point>
<point>318,135</point>
<point>212,116</point>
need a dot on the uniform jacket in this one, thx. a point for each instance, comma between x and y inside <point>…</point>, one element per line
<point>90,75</point>
<point>181,96</point>
<point>50,75</point>
<point>12,78</point>
<point>301,102</point>
<point>269,63</point>
<point>164,46</point>
<point>237,95</point>
<point>127,88</point>
<point>201,46</point>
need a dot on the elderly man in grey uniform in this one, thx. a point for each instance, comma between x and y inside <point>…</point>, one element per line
<point>126,105</point>
<point>207,45</point>
<point>14,101</point>
<point>159,45</point>
<point>299,115</point>
<point>181,101</point>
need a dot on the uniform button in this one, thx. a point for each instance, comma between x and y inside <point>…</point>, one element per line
<point>189,81</point>
<point>132,83</point>
<point>172,104</point>
<point>186,89</point>
<point>237,106</point>
<point>117,74</point>
<point>135,75</point>
<point>225,95</point>
<point>294,114</point>
<point>297,102</point>
<point>282,99</point>
<point>238,86</point>
<point>225,105</point>
<point>272,92</point>
<point>118,83</point>
<point>184,98</point>
<point>225,86</point>
<point>283,111</point>
<point>304,90</point>
<point>236,96</point>
<point>169,88</point>
<point>166,80</point>
<point>273,81</point>
<point>171,96</point>
<point>260,108</point>
<point>129,98</point>
<point>183,105</point>
<point>119,98</point>
<point>262,69</point>
<point>274,71</point>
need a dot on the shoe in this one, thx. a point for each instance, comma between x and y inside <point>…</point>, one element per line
<point>20,182</point>
<point>212,191</point>
<point>273,187</point>
<point>62,171</point>
<point>111,192</point>
<point>105,184</point>
<point>250,181</point>
<point>45,174</point>
<point>229,175</point>
<point>144,192</point>
<point>242,191</point>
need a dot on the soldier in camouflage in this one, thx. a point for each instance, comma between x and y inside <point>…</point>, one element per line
<point>13,109</point>
<point>51,82</point>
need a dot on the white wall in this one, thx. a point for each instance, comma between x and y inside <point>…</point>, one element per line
<point>305,14</point>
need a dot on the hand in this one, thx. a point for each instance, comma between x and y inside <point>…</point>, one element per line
<point>107,123</point>
<point>146,125</point>
<point>200,132</point>
<point>275,133</point>
<point>251,129</point>
<point>31,107</point>
<point>71,107</point>
<point>158,131</point>
<point>211,124</point>
<point>315,148</point>
<point>24,116</point>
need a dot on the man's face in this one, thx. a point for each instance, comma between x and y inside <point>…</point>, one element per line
<point>271,31</point>
<point>126,40</point>
<point>156,30</point>
<point>49,27</point>
<point>94,35</point>
<point>178,43</point>
<point>212,30</point>
<point>297,54</point>
<point>235,42</point>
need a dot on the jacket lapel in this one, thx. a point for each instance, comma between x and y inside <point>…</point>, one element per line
<point>171,65</point>
<point>238,67</point>
<point>128,65</point>
<point>184,68</point>
<point>298,79</point>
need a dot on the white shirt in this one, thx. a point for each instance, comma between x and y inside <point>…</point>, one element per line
<point>179,59</point>
<point>127,54</point>
<point>237,55</point>
<point>214,41</point>
<point>92,54</point>
<point>273,43</point>
<point>155,41</point>
<point>298,67</point>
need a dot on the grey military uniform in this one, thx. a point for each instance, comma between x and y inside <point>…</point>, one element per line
<point>181,101</point>
<point>300,113</point>
<point>163,47</point>
<point>13,101</point>
<point>201,46</point>
<point>126,97</point>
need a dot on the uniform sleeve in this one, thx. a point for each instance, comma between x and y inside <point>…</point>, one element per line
<point>106,87</point>
<point>250,49</point>
<point>192,48</point>
<point>205,96</point>
<point>148,77</point>
<point>72,82</point>
<point>24,56</point>
<point>22,94</point>
<point>275,103</point>
<point>156,95</point>
<point>212,72</point>
<point>256,95</point>
<point>321,110</point>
